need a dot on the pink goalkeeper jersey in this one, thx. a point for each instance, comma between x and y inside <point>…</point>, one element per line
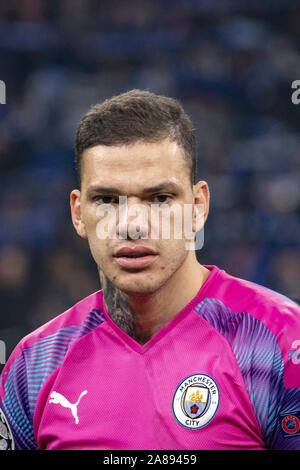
<point>224,373</point>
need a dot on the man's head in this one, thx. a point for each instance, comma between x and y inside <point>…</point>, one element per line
<point>136,116</point>
<point>122,152</point>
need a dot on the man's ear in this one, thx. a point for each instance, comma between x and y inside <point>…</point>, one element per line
<point>76,213</point>
<point>201,204</point>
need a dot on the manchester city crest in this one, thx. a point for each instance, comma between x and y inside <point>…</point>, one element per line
<point>196,401</point>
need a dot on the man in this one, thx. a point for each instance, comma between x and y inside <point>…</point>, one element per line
<point>170,354</point>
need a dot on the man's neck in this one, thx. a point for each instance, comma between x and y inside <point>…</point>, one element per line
<point>142,315</point>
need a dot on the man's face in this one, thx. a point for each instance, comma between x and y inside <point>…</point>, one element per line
<point>131,242</point>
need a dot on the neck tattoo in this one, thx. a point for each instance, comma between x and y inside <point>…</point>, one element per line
<point>118,309</point>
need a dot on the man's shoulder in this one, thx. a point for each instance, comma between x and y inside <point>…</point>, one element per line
<point>78,316</point>
<point>249,312</point>
<point>243,295</point>
<point>277,312</point>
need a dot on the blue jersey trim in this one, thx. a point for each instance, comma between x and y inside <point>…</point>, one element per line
<point>29,372</point>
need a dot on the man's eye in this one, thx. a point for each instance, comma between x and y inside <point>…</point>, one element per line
<point>162,198</point>
<point>105,199</point>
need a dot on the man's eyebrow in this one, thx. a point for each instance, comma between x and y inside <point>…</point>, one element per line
<point>167,186</point>
<point>102,190</point>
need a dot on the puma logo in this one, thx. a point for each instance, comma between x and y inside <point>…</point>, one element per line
<point>58,398</point>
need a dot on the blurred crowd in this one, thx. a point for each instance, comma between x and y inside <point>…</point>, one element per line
<point>230,63</point>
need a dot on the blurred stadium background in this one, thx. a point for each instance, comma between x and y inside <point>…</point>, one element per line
<point>230,65</point>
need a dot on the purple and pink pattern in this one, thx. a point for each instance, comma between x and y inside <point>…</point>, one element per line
<point>260,361</point>
<point>31,369</point>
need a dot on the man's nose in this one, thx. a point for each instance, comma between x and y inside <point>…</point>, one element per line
<point>133,219</point>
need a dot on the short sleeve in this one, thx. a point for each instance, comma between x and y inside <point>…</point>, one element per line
<point>283,424</point>
<point>16,422</point>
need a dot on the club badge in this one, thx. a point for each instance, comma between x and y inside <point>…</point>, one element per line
<point>196,401</point>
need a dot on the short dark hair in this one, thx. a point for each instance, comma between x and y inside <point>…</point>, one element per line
<point>133,116</point>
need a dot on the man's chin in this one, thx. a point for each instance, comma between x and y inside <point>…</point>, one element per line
<point>136,289</point>
<point>137,286</point>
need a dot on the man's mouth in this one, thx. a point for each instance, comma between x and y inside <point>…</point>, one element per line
<point>135,257</point>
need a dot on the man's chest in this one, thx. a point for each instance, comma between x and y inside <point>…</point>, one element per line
<point>170,397</point>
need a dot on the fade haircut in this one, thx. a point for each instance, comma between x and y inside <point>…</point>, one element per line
<point>136,116</point>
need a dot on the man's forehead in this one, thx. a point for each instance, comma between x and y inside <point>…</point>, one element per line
<point>135,155</point>
<point>143,163</point>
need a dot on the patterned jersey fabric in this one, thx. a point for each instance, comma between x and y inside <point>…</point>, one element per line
<point>224,373</point>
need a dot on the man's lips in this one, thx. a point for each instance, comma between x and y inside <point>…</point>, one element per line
<point>134,251</point>
<point>135,257</point>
